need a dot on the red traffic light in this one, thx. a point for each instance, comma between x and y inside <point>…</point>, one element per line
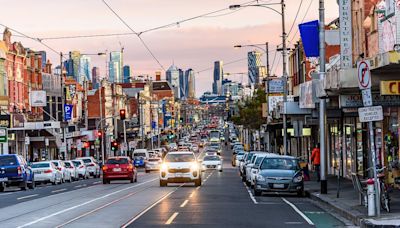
<point>99,133</point>
<point>122,114</point>
<point>86,144</point>
<point>115,144</point>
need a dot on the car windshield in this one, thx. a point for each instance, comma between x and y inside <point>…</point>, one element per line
<point>154,159</point>
<point>211,158</point>
<point>8,160</point>
<point>67,164</point>
<point>140,155</point>
<point>115,161</point>
<point>214,134</point>
<point>40,165</point>
<point>87,160</point>
<point>55,163</point>
<point>179,158</point>
<point>258,161</point>
<point>240,153</point>
<point>77,163</point>
<point>280,163</point>
<point>172,145</point>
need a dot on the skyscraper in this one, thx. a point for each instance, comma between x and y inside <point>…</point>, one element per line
<point>127,73</point>
<point>75,57</point>
<point>218,77</point>
<point>191,88</point>
<point>95,77</point>
<point>115,67</point>
<point>172,75</point>
<point>183,83</point>
<point>255,68</point>
<point>84,69</point>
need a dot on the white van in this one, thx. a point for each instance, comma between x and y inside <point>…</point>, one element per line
<point>141,153</point>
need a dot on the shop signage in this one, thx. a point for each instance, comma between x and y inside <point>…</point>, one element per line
<point>346,60</point>
<point>275,86</point>
<point>307,96</point>
<point>364,75</point>
<point>369,114</point>
<point>390,87</point>
<point>37,98</point>
<point>27,140</point>
<point>273,102</point>
<point>3,135</point>
<point>355,100</point>
<point>5,121</point>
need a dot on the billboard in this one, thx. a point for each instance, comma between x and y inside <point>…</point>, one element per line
<point>37,98</point>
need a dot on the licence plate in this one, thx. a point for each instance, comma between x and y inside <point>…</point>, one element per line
<point>37,172</point>
<point>279,186</point>
<point>178,174</point>
<point>117,169</point>
<point>3,179</point>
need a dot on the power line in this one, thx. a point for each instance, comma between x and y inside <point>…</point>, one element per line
<point>295,18</point>
<point>138,35</point>
<point>228,63</point>
<point>302,20</point>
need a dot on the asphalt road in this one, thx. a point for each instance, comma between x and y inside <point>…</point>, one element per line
<point>222,201</point>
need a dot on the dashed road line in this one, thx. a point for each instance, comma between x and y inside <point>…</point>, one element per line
<point>298,211</point>
<point>171,219</point>
<point>293,223</point>
<point>59,190</point>
<point>250,194</point>
<point>191,195</point>
<point>78,186</point>
<point>184,203</point>
<point>26,197</point>
<point>96,182</point>
<point>7,193</point>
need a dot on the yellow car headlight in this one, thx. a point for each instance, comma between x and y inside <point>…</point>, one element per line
<point>164,167</point>
<point>194,167</point>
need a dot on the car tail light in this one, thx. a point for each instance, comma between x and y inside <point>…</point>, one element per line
<point>19,170</point>
<point>48,171</point>
<point>59,168</point>
<point>82,166</point>
<point>91,164</point>
<point>130,167</point>
<point>105,168</point>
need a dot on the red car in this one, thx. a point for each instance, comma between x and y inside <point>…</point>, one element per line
<point>119,168</point>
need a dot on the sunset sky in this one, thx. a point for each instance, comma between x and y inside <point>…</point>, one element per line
<point>194,44</point>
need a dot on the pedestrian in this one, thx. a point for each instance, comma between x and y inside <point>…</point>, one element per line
<point>316,160</point>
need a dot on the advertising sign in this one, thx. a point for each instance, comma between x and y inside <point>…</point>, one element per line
<point>3,135</point>
<point>68,112</point>
<point>355,101</point>
<point>307,96</point>
<point>390,87</point>
<point>368,114</point>
<point>346,58</point>
<point>37,98</point>
<point>275,86</point>
<point>5,121</point>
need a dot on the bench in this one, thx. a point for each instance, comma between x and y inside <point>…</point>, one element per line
<point>358,186</point>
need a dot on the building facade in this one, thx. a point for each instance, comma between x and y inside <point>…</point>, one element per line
<point>127,74</point>
<point>218,77</point>
<point>172,76</point>
<point>115,67</point>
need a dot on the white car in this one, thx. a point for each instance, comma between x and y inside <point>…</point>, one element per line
<point>212,162</point>
<point>173,146</point>
<point>81,169</point>
<point>91,165</point>
<point>153,163</point>
<point>239,157</point>
<point>46,172</point>
<point>195,148</point>
<point>69,165</point>
<point>253,165</point>
<point>180,167</point>
<point>66,176</point>
<point>254,169</point>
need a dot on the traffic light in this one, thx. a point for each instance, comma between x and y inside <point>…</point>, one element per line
<point>99,134</point>
<point>122,114</point>
<point>86,144</point>
<point>114,145</point>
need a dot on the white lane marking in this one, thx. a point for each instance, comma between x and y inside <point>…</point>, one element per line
<point>293,223</point>
<point>191,195</point>
<point>26,197</point>
<point>250,194</point>
<point>96,182</point>
<point>298,211</point>
<point>78,186</point>
<point>198,187</point>
<point>82,204</point>
<point>8,193</point>
<point>171,219</point>
<point>59,190</point>
<point>184,203</point>
<point>149,208</point>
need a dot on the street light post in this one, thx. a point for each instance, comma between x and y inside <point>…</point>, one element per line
<point>284,53</point>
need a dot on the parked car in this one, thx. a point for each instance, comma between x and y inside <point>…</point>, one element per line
<point>92,166</point>
<point>239,156</point>
<point>279,173</point>
<point>81,168</point>
<point>254,169</point>
<point>173,147</point>
<point>180,167</point>
<point>69,165</point>
<point>66,175</point>
<point>212,162</point>
<point>119,168</point>
<point>246,161</point>
<point>14,171</point>
<point>46,172</point>
<point>153,164</point>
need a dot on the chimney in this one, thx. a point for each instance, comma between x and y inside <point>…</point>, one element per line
<point>158,75</point>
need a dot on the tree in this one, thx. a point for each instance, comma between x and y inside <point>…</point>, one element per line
<point>250,112</point>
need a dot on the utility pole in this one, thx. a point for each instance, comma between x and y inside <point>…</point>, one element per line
<point>285,76</point>
<point>267,59</point>
<point>101,121</point>
<point>63,104</point>
<point>322,102</point>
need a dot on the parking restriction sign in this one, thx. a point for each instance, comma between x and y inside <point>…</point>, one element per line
<point>364,74</point>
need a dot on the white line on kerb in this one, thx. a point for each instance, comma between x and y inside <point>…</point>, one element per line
<point>298,211</point>
<point>59,190</point>
<point>171,219</point>
<point>251,195</point>
<point>184,203</point>
<point>82,204</point>
<point>26,197</point>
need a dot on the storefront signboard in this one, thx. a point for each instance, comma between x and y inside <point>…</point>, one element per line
<point>307,96</point>
<point>355,100</point>
<point>275,86</point>
<point>345,13</point>
<point>390,87</point>
<point>369,114</point>
<point>3,135</point>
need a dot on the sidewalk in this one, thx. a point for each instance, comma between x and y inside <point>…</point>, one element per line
<point>347,205</point>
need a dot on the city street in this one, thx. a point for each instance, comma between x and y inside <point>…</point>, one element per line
<point>222,200</point>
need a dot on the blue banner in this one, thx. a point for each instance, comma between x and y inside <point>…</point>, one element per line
<point>68,112</point>
<point>309,33</point>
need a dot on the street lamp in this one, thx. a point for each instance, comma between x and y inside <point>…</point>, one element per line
<point>284,50</point>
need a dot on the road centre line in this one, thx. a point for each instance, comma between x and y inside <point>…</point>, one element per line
<point>250,194</point>
<point>96,182</point>
<point>171,219</point>
<point>78,186</point>
<point>191,195</point>
<point>184,203</point>
<point>26,197</point>
<point>82,204</point>
<point>298,211</point>
<point>7,193</point>
<point>59,190</point>
<point>148,208</point>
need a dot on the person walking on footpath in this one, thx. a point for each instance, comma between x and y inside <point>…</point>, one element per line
<point>316,160</point>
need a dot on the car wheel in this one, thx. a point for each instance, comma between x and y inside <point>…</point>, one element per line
<point>147,171</point>
<point>24,186</point>
<point>197,182</point>
<point>220,170</point>
<point>257,192</point>
<point>32,185</point>
<point>300,193</point>
<point>105,181</point>
<point>247,183</point>
<point>243,178</point>
<point>1,188</point>
<point>163,183</point>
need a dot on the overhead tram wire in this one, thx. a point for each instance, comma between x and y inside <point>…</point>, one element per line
<point>295,18</point>
<point>302,20</point>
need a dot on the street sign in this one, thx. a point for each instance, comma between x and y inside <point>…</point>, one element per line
<point>364,74</point>
<point>367,97</point>
<point>369,114</point>
<point>47,142</point>
<point>68,112</point>
<point>132,145</point>
<point>3,135</point>
<point>27,140</point>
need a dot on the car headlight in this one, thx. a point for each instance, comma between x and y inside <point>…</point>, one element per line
<point>298,179</point>
<point>164,167</point>
<point>194,167</point>
<point>260,178</point>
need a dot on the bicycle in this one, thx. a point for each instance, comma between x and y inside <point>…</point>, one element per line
<point>383,190</point>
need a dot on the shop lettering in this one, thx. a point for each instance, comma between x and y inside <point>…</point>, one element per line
<point>390,87</point>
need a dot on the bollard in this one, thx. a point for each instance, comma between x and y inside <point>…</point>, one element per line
<point>371,197</point>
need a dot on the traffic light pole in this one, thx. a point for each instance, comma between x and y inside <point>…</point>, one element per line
<point>125,143</point>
